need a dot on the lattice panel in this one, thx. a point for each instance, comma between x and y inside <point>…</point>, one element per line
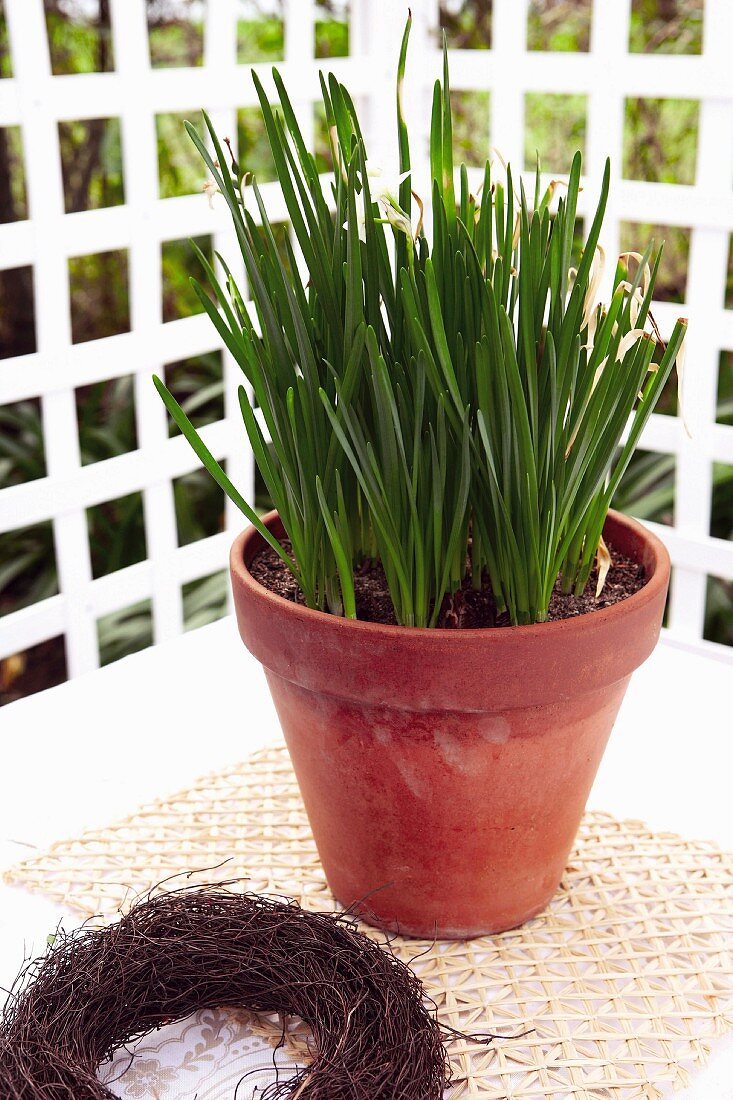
<point>33,99</point>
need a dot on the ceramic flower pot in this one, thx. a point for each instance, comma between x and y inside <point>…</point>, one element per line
<point>445,772</point>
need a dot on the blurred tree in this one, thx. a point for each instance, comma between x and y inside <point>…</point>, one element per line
<point>175,33</point>
<point>471,127</point>
<point>554,127</point>
<point>559,25</point>
<point>660,140</point>
<point>332,28</point>
<point>467,23</point>
<point>260,32</point>
<point>91,164</point>
<point>79,36</point>
<point>6,64</point>
<point>666,26</point>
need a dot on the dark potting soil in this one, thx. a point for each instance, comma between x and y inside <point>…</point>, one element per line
<point>469,607</point>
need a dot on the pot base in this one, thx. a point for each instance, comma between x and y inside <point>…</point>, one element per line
<point>433,933</point>
<point>445,823</point>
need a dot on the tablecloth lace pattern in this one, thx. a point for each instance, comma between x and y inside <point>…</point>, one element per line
<point>216,1054</point>
<point>625,979</point>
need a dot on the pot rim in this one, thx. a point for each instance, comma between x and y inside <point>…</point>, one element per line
<point>656,562</point>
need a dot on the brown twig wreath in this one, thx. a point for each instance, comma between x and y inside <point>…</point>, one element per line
<point>97,989</point>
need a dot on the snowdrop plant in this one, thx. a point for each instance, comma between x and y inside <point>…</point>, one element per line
<point>452,402</point>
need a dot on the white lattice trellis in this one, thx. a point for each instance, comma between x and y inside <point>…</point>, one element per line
<point>36,101</point>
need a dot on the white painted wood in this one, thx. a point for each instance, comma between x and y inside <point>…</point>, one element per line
<point>31,64</point>
<point>36,100</point>
<point>509,42</point>
<point>220,44</point>
<point>106,480</point>
<point>707,270</point>
<point>140,159</point>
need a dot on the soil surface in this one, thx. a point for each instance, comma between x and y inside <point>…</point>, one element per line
<point>469,607</point>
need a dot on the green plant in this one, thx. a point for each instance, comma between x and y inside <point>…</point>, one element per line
<point>458,401</point>
<point>126,631</point>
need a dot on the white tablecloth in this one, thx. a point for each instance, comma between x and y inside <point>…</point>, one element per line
<point>91,750</point>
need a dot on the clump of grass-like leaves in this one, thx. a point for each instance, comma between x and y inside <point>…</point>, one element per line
<point>445,403</point>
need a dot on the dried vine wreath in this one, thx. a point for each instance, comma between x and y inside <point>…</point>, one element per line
<point>98,989</point>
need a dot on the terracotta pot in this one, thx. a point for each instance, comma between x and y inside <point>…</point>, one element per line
<point>445,772</point>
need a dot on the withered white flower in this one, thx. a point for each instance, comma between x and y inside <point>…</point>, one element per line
<point>384,186</point>
<point>384,189</point>
<point>210,189</point>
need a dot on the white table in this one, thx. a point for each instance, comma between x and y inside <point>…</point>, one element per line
<point>90,751</point>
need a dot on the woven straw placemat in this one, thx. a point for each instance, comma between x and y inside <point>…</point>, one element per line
<point>624,980</point>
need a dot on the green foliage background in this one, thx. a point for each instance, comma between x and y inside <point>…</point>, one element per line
<point>660,143</point>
